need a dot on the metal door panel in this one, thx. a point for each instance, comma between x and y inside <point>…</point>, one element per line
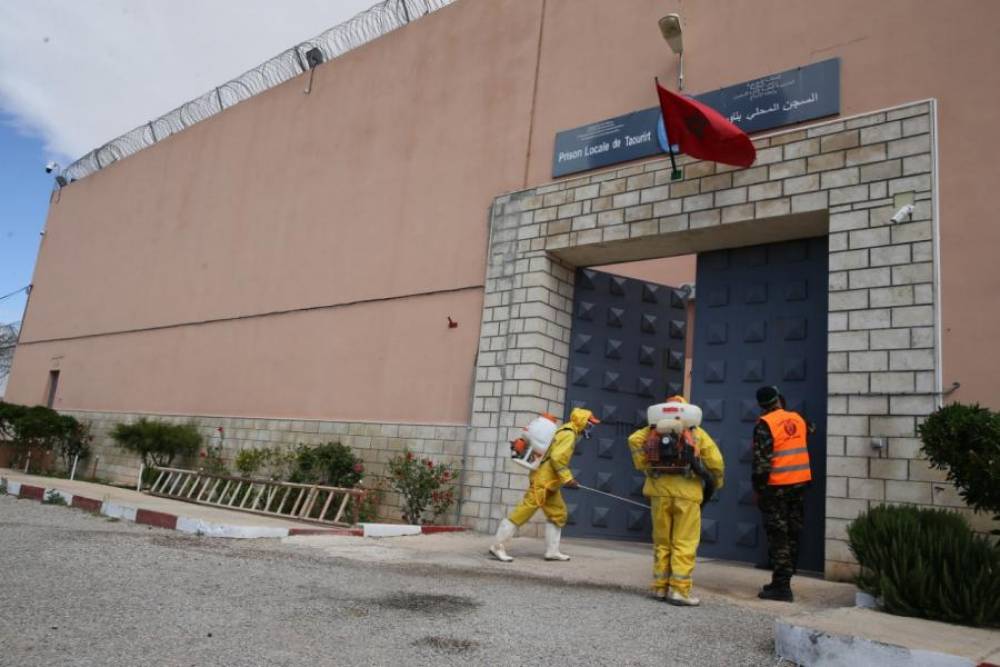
<point>626,353</point>
<point>760,318</point>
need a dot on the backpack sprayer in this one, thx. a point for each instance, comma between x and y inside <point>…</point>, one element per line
<point>530,448</point>
<point>671,448</point>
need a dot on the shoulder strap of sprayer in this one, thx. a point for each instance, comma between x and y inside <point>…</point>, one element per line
<point>548,452</point>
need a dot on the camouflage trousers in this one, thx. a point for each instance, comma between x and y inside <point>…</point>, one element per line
<point>783,508</point>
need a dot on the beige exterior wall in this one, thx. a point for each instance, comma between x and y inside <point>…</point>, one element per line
<point>673,271</point>
<point>361,362</point>
<point>375,186</point>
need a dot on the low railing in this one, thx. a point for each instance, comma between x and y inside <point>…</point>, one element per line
<point>286,500</point>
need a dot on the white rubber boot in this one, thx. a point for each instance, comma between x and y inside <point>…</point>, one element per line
<point>675,598</point>
<point>552,536</point>
<point>504,534</point>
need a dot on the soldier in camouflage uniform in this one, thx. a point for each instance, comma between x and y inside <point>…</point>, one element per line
<point>780,478</point>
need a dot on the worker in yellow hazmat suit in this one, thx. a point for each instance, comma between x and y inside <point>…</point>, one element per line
<point>676,509</point>
<point>543,493</point>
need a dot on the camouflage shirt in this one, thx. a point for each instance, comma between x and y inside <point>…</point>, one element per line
<point>763,450</point>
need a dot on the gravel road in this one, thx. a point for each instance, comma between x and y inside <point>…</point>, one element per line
<point>79,589</point>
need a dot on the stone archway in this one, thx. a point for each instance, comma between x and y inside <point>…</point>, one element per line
<point>845,178</point>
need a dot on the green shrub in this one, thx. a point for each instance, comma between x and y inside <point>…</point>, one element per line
<point>76,442</point>
<point>421,483</point>
<point>927,563</point>
<point>250,461</point>
<point>158,443</point>
<point>53,497</point>
<point>271,462</point>
<point>965,441</point>
<point>37,428</point>
<point>9,413</point>
<point>330,464</point>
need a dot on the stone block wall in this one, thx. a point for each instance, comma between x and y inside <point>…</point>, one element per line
<point>374,443</point>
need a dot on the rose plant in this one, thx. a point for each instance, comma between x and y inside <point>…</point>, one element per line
<point>423,485</point>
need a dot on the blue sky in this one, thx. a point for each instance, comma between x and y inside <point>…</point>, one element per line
<point>24,203</point>
<point>75,74</point>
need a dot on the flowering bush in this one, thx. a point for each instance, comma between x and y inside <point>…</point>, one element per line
<point>422,483</point>
<point>375,488</point>
<point>211,457</point>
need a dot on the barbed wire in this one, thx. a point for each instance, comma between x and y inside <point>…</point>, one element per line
<point>379,20</point>
<point>15,292</point>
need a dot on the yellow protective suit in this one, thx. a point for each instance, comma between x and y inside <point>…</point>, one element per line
<point>552,473</point>
<point>676,501</point>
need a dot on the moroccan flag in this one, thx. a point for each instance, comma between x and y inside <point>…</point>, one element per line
<point>702,132</point>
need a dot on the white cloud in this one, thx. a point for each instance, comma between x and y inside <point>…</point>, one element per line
<point>80,73</point>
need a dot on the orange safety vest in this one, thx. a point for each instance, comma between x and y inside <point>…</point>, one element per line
<point>790,461</point>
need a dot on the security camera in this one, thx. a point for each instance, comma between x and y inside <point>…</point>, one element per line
<point>903,214</point>
<point>51,166</point>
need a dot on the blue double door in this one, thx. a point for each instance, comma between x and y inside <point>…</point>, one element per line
<point>759,319</point>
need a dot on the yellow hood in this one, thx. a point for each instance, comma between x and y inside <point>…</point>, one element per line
<point>580,417</point>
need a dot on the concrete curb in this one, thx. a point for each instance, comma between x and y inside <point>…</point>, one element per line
<point>210,528</point>
<point>813,647</point>
<point>163,519</point>
<point>402,530</point>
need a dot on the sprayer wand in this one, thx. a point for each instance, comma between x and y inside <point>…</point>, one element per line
<point>611,495</point>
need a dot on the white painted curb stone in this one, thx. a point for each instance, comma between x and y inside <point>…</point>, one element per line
<point>116,511</point>
<point>389,530</point>
<point>202,527</point>
<point>815,648</point>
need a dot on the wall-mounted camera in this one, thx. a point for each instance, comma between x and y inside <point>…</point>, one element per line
<point>51,167</point>
<point>903,214</point>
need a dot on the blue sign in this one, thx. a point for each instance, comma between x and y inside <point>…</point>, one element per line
<point>776,100</point>
<point>781,99</point>
<point>610,141</point>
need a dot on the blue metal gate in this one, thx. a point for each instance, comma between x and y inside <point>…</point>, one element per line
<point>760,319</point>
<point>626,353</point>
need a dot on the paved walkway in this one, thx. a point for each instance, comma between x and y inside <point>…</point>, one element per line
<point>820,628</point>
<point>622,565</point>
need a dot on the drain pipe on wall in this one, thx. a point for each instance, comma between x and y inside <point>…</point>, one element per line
<point>472,387</point>
<point>936,250</point>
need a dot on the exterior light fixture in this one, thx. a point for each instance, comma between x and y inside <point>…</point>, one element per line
<point>670,28</point>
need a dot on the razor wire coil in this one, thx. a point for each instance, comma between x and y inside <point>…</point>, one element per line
<point>375,22</point>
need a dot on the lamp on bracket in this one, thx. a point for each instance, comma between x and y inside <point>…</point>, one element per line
<point>670,28</point>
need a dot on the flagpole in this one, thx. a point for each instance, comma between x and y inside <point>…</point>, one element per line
<point>675,173</point>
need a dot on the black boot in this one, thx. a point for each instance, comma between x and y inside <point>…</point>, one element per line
<point>777,592</point>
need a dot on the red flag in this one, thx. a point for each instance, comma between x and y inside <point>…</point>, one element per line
<point>702,132</point>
